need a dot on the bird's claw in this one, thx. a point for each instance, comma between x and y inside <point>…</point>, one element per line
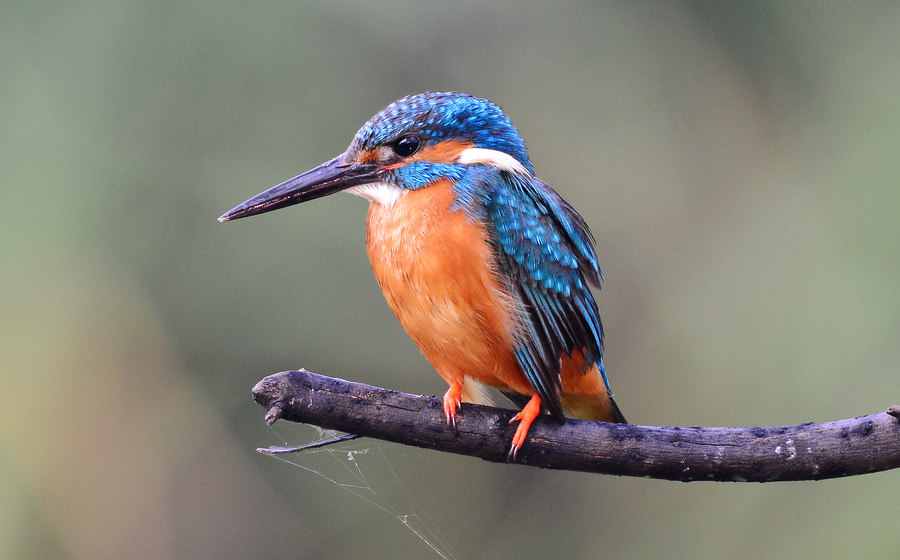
<point>513,450</point>
<point>452,402</point>
<point>525,417</point>
<point>450,411</point>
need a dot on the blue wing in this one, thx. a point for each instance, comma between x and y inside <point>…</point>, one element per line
<point>545,251</point>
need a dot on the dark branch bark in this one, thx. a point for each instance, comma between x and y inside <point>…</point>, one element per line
<point>809,451</point>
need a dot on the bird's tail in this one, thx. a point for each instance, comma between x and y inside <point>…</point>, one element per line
<point>616,414</point>
<point>598,406</point>
<point>585,392</point>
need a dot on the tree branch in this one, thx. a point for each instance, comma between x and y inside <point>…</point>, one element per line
<point>808,451</point>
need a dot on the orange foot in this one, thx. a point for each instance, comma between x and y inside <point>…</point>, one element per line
<point>452,401</point>
<point>524,418</point>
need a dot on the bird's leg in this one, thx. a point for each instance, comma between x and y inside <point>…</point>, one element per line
<point>452,400</point>
<point>524,418</point>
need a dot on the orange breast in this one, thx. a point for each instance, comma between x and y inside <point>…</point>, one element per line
<point>436,269</point>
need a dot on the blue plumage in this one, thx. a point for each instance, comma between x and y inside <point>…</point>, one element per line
<point>544,247</point>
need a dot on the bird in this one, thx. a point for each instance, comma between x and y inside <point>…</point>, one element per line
<point>485,266</point>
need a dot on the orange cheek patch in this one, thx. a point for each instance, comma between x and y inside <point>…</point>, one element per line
<point>443,152</point>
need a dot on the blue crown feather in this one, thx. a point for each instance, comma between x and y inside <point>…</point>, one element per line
<point>435,117</point>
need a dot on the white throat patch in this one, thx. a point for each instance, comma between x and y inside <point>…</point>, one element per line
<point>382,193</point>
<point>500,160</point>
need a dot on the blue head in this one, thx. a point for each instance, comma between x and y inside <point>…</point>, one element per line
<point>407,145</point>
<point>430,119</point>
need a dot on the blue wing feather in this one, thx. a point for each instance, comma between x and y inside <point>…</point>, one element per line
<point>546,254</point>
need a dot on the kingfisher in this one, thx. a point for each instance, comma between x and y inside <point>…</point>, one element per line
<point>486,267</point>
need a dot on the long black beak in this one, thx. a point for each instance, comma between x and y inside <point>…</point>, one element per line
<point>330,177</point>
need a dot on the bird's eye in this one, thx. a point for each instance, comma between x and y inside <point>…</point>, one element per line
<point>406,146</point>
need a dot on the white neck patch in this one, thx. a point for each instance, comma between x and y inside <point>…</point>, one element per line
<point>500,160</point>
<point>381,193</point>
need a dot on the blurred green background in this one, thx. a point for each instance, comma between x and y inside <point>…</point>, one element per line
<point>738,163</point>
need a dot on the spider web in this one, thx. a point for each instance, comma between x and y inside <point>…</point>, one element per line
<point>345,465</point>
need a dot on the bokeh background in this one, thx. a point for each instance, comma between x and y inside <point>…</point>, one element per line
<point>738,163</point>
